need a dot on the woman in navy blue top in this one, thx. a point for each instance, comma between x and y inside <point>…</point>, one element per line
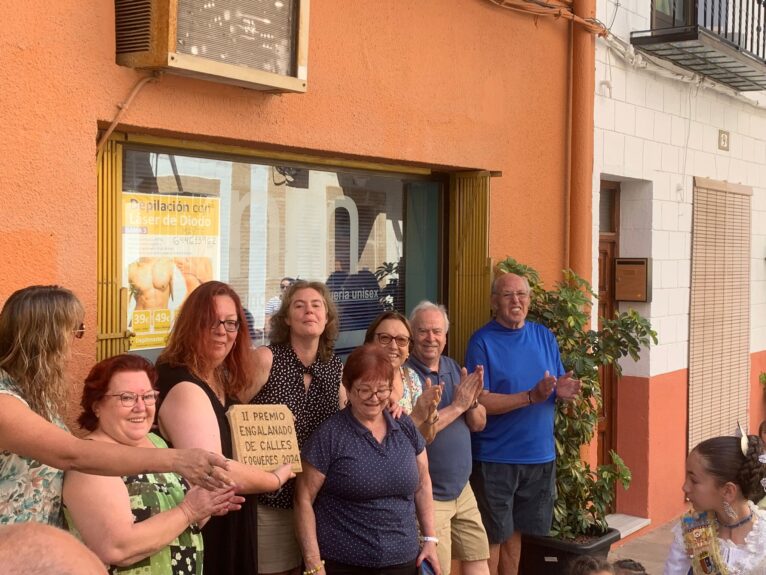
<point>365,482</point>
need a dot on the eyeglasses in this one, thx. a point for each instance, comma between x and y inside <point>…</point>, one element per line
<point>129,399</point>
<point>230,325</point>
<point>519,294</point>
<point>284,286</point>
<point>79,333</point>
<point>385,339</point>
<point>365,393</point>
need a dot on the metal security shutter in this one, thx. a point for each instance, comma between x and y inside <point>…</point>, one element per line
<point>111,299</point>
<point>470,274</point>
<point>719,315</point>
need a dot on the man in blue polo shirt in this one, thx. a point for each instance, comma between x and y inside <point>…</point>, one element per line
<point>457,520</point>
<point>514,469</point>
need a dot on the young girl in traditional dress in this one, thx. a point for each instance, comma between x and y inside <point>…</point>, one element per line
<point>725,533</point>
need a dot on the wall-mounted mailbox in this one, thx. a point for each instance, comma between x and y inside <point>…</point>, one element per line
<point>633,279</point>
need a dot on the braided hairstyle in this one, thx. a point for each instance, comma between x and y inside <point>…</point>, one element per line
<point>588,565</point>
<point>725,461</point>
<point>628,567</point>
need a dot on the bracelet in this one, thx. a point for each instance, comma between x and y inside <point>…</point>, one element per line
<point>430,539</point>
<point>529,396</point>
<point>279,481</point>
<point>314,570</point>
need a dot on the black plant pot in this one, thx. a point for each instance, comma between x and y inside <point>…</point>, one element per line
<point>551,556</point>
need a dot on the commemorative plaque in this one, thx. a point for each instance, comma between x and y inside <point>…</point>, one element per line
<point>264,436</point>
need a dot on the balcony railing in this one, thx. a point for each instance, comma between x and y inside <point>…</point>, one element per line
<point>721,39</point>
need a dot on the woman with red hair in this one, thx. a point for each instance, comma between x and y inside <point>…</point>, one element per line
<point>365,483</point>
<point>142,523</point>
<point>39,326</point>
<point>204,369</point>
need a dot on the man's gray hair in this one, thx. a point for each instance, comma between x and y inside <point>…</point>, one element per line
<point>426,305</point>
<point>497,279</point>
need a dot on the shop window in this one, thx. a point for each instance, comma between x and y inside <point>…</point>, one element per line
<point>185,219</point>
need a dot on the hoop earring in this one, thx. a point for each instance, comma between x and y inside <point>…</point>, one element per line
<point>729,510</point>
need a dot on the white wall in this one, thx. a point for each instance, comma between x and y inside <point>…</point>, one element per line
<point>655,134</point>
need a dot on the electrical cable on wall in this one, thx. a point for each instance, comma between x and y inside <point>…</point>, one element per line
<point>123,107</point>
<point>639,61</point>
<point>559,9</point>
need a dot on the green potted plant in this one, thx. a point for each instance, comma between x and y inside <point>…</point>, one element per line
<point>584,495</point>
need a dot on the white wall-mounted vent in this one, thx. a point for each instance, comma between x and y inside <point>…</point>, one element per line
<point>259,44</point>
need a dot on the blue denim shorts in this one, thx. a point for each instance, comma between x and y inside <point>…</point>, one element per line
<point>514,497</point>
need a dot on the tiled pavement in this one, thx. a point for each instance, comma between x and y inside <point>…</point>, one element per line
<point>650,550</point>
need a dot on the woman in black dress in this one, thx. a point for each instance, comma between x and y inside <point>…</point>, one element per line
<point>300,370</point>
<point>202,371</point>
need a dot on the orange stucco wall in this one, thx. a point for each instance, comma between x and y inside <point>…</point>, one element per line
<point>757,392</point>
<point>651,437</point>
<point>460,84</point>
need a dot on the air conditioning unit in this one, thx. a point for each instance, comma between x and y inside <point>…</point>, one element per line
<point>258,44</point>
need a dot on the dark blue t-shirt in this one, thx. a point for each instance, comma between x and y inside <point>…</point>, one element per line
<point>449,455</point>
<point>515,360</point>
<point>365,510</point>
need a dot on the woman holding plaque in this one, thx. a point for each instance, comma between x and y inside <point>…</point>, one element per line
<point>39,326</point>
<point>202,371</point>
<point>365,483</point>
<point>143,523</point>
<point>724,532</point>
<point>300,370</point>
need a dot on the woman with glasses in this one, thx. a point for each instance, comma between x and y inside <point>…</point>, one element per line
<point>204,369</point>
<point>146,523</point>
<point>300,370</point>
<point>392,332</point>
<point>38,327</point>
<point>365,483</point>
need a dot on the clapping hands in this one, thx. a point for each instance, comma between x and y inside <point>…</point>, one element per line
<point>566,386</point>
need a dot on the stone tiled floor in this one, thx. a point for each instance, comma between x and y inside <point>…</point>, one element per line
<point>650,550</point>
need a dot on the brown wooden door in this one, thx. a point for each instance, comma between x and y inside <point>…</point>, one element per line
<point>608,249</point>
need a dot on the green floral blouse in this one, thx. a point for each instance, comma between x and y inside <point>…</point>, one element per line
<point>412,388</point>
<point>151,494</point>
<point>29,490</point>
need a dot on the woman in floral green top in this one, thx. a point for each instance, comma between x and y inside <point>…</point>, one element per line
<point>138,524</point>
<point>38,327</point>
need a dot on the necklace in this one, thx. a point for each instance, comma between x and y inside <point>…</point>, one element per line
<point>739,523</point>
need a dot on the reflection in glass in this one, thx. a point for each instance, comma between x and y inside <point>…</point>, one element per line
<point>263,223</point>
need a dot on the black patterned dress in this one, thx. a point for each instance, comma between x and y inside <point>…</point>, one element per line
<point>310,407</point>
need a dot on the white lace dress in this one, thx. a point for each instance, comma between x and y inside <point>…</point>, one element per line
<point>746,559</point>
